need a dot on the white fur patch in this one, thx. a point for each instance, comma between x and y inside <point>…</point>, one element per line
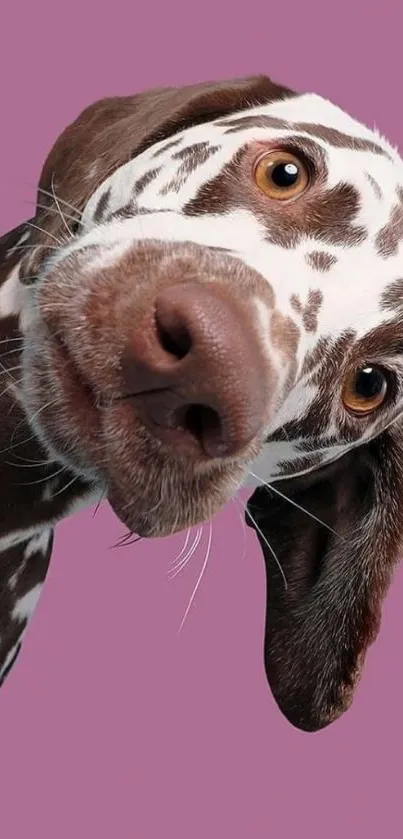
<point>16,299</point>
<point>26,605</point>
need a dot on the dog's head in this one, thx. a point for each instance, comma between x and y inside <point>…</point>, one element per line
<point>215,278</point>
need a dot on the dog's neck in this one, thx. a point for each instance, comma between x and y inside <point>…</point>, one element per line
<point>33,489</point>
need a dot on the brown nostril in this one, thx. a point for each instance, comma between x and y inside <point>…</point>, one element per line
<point>174,338</point>
<point>204,424</point>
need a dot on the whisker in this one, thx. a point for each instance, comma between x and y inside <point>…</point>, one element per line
<point>11,340</point>
<point>14,351</point>
<point>5,371</point>
<point>273,553</point>
<point>243,525</point>
<point>35,247</point>
<point>127,536</point>
<point>200,577</point>
<point>126,540</point>
<point>59,208</point>
<point>43,479</point>
<point>101,499</point>
<point>55,212</point>
<point>33,436</point>
<point>49,195</point>
<point>8,369</point>
<point>32,465</point>
<point>181,558</point>
<point>185,544</point>
<point>188,556</point>
<point>12,383</point>
<point>61,200</point>
<point>294,504</point>
<point>159,502</point>
<point>28,460</point>
<point>65,487</point>
<point>36,413</point>
<point>46,232</point>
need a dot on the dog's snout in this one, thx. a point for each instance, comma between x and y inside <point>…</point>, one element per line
<point>197,371</point>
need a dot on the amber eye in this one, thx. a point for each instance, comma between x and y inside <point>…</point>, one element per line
<point>281,175</point>
<point>365,390</point>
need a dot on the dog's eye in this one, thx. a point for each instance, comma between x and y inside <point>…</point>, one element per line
<point>281,175</point>
<point>365,390</point>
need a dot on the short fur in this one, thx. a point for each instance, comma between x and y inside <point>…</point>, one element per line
<point>143,192</point>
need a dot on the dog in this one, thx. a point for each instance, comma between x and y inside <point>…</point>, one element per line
<point>211,292</point>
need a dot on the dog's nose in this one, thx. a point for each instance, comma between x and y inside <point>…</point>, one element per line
<point>197,372</point>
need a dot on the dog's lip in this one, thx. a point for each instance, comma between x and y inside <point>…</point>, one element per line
<point>146,392</point>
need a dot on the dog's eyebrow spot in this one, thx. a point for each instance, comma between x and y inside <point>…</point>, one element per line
<point>392,297</point>
<point>196,149</point>
<point>192,157</point>
<point>296,303</point>
<point>131,210</point>
<point>320,260</point>
<point>391,234</point>
<point>311,309</point>
<point>374,184</point>
<point>102,206</point>
<point>167,146</point>
<point>232,126</point>
<point>332,136</point>
<point>145,180</point>
<point>339,139</point>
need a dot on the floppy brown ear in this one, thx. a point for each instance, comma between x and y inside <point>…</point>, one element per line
<point>112,131</point>
<point>318,629</point>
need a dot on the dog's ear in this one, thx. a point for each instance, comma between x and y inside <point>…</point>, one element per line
<point>111,132</point>
<point>325,611</point>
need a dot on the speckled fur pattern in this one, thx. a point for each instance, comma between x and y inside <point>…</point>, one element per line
<point>143,190</point>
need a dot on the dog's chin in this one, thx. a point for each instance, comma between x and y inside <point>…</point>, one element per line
<point>153,489</point>
<point>172,506</point>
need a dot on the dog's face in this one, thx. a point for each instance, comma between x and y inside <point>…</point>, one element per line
<point>228,302</point>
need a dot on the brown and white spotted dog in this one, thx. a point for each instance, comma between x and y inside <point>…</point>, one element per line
<point>212,290</point>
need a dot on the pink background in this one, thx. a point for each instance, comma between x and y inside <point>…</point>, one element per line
<point>111,724</point>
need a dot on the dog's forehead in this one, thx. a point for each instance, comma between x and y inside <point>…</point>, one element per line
<point>353,151</point>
